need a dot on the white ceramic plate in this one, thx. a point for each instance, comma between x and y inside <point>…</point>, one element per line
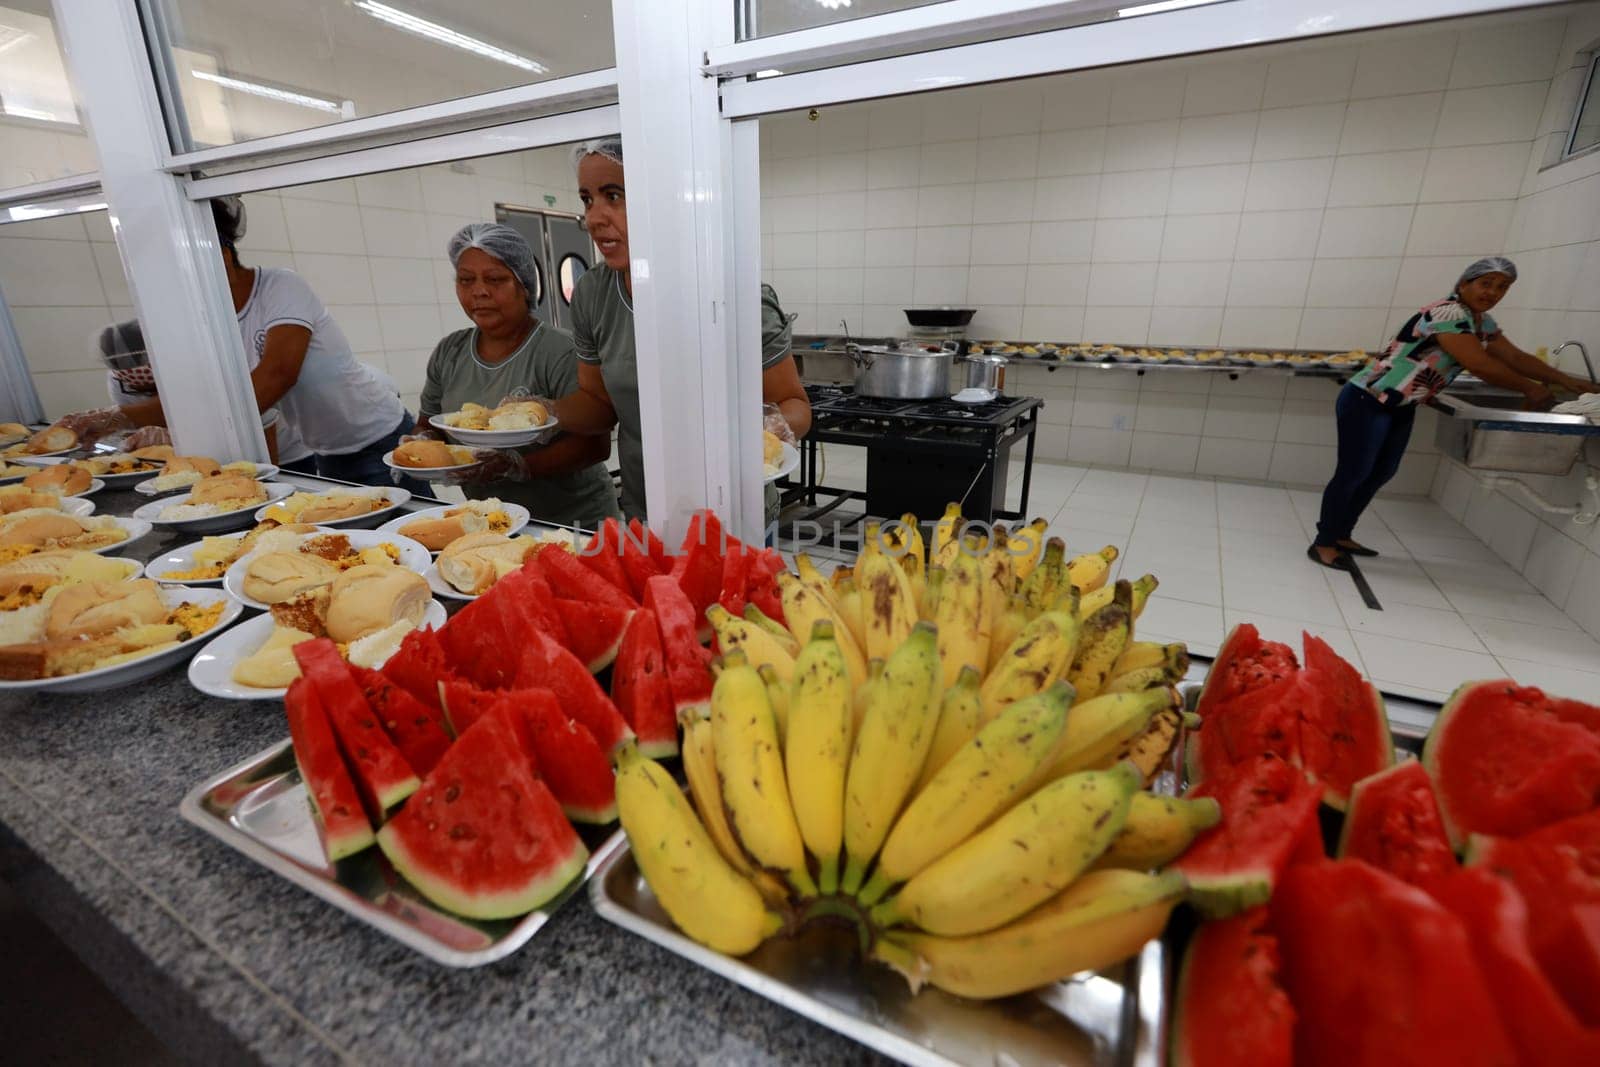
<point>413,557</point>
<point>443,588</point>
<point>178,560</point>
<point>23,457</point>
<point>115,481</point>
<point>126,674</point>
<point>77,505</point>
<point>396,496</point>
<point>237,519</point>
<point>136,529</point>
<point>426,474</point>
<point>518,514</point>
<point>147,487</point>
<point>497,438</point>
<point>211,671</point>
<point>790,460</point>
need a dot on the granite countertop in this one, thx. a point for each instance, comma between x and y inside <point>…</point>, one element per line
<point>224,960</point>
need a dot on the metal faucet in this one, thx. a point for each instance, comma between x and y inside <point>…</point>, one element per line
<point>1582,351</point>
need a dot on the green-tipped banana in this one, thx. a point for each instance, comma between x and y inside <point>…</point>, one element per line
<point>744,733</point>
<point>1045,581</point>
<point>898,722</point>
<point>1105,634</point>
<point>817,750</point>
<point>706,897</point>
<point>1038,657</point>
<point>982,780</point>
<point>1159,830</point>
<point>778,697</point>
<point>1019,861</point>
<point>1100,920</point>
<point>1100,728</point>
<point>773,627</point>
<point>960,717</point>
<point>933,583</point>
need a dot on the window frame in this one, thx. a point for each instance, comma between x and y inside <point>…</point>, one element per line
<point>1588,96</point>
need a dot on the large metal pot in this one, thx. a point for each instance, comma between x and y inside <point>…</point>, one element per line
<point>986,371</point>
<point>904,371</point>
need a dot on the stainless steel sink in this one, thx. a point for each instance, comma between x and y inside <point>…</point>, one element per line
<point>1486,429</point>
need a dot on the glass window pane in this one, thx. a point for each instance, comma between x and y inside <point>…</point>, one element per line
<point>767,17</point>
<point>246,70</point>
<point>63,281</point>
<point>572,268</point>
<point>1586,131</point>
<point>41,134</point>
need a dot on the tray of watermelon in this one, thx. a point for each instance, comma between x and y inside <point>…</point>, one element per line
<point>1352,909</point>
<point>456,797</point>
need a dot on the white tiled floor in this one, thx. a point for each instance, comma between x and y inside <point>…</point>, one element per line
<point>1227,552</point>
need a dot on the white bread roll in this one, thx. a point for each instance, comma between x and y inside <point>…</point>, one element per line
<point>58,565</point>
<point>155,453</point>
<point>62,478</point>
<point>202,465</point>
<point>340,506</point>
<point>424,453</point>
<point>14,498</point>
<point>94,609</point>
<point>35,527</point>
<point>436,534</point>
<point>219,487</point>
<point>474,563</point>
<point>54,439</point>
<point>367,599</point>
<point>276,577</point>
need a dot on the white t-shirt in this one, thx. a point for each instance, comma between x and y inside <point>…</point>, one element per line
<point>338,405</point>
<point>290,448</point>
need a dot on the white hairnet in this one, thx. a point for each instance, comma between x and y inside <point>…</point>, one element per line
<point>501,242</point>
<point>610,147</point>
<point>1488,265</point>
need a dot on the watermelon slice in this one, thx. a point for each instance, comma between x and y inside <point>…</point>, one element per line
<point>637,563</point>
<point>1344,732</point>
<point>687,672</point>
<point>382,775</point>
<point>569,578</point>
<point>341,823</point>
<point>546,665</point>
<point>419,666</point>
<point>1557,870</point>
<point>735,578</point>
<point>640,688</point>
<point>643,535</point>
<point>1394,824</point>
<point>1540,1023</point>
<point>1231,1006</point>
<point>569,760</point>
<point>763,593</point>
<point>483,838</point>
<point>476,642</point>
<point>418,731</point>
<point>603,554</point>
<point>464,704</point>
<point>594,631</point>
<point>1506,759</point>
<point>526,602</point>
<point>1269,822</point>
<point>698,573</point>
<point>1381,974</point>
<point>1244,663</point>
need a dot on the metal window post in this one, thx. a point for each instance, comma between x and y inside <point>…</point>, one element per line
<point>19,401</point>
<point>699,378</point>
<point>168,243</point>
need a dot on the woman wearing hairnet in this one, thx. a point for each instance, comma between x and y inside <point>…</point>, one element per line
<point>1375,409</point>
<point>507,352</point>
<point>346,413</point>
<point>602,329</point>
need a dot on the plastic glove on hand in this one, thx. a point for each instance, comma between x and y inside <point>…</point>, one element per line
<point>494,465</point>
<point>773,422</point>
<point>147,437</point>
<point>92,425</point>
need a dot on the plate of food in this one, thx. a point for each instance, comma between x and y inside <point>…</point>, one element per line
<point>24,582</point>
<point>204,562</point>
<point>117,469</point>
<point>469,566</point>
<point>511,425</point>
<point>14,472</point>
<point>52,441</point>
<point>367,612</point>
<point>430,461</point>
<point>23,533</point>
<point>12,432</point>
<point>64,478</point>
<point>15,498</point>
<point>184,472</point>
<point>89,636</point>
<point>281,567</point>
<point>778,457</point>
<point>359,505</point>
<point>434,528</point>
<point>220,502</point>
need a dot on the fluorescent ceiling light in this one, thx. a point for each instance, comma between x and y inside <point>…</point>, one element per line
<point>23,212</point>
<point>833,5</point>
<point>445,35</point>
<point>1161,5</point>
<point>33,113</point>
<point>770,72</point>
<point>283,96</point>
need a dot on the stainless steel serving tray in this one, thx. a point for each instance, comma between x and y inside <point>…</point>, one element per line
<point>259,807</point>
<point>1111,1018</point>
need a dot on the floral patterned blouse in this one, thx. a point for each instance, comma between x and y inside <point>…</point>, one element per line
<point>1414,368</point>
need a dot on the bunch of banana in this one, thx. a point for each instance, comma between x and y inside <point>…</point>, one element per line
<point>946,743</point>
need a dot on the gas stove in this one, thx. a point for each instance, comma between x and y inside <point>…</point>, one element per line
<point>921,454</point>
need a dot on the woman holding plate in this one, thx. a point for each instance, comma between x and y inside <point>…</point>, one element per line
<point>508,353</point>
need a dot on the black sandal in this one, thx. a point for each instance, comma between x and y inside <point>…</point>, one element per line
<point>1356,550</point>
<point>1341,562</point>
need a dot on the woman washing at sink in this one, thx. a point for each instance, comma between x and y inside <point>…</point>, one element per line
<point>1376,408</point>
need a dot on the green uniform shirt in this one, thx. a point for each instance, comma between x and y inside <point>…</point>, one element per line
<point>602,330</point>
<point>543,366</point>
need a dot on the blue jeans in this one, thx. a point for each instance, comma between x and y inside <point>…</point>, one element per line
<point>366,467</point>
<point>1372,441</point>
